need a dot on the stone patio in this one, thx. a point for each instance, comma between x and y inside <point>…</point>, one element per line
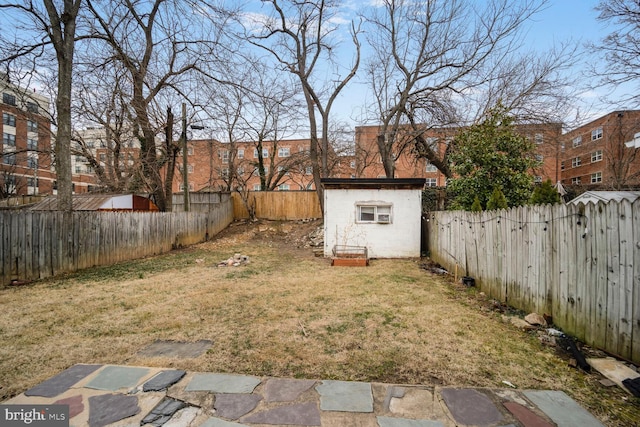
<point>133,396</point>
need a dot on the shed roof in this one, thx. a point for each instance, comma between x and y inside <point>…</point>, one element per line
<point>81,202</point>
<point>373,183</point>
<point>606,196</point>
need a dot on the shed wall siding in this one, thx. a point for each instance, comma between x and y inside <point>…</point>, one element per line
<point>399,239</point>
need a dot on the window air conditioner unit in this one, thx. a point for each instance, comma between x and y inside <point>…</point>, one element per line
<point>384,218</point>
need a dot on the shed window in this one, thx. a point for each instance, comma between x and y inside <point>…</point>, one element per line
<point>374,213</point>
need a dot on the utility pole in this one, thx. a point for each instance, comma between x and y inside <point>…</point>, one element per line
<point>185,166</point>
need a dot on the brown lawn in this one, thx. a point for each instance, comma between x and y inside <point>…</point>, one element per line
<point>286,314</point>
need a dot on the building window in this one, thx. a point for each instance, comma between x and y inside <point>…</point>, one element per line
<point>32,144</point>
<point>9,139</point>
<point>374,213</point>
<point>32,126</point>
<point>240,171</point>
<point>78,169</point>
<point>256,187</point>
<point>431,182</point>
<point>283,187</point>
<point>431,168</point>
<point>32,107</point>
<point>284,152</point>
<point>189,151</point>
<point>596,156</point>
<point>539,138</point>
<point>189,168</point>
<point>32,163</point>
<point>596,133</point>
<point>7,98</point>
<point>265,153</point>
<point>576,180</point>
<point>224,173</point>
<point>537,179</point>
<point>103,157</point>
<point>89,169</point>
<point>352,164</point>
<point>241,153</point>
<point>308,170</point>
<point>562,165</point>
<point>224,155</point>
<point>575,162</point>
<point>32,182</point>
<point>577,141</point>
<point>8,119</point>
<point>539,158</point>
<point>9,158</point>
<point>596,177</point>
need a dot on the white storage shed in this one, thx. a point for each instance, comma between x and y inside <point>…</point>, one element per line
<point>381,215</point>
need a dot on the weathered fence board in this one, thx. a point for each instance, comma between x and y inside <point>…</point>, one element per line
<point>580,264</point>
<point>36,245</point>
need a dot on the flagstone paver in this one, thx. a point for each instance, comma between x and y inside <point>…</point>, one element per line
<point>562,410</point>
<point>76,406</point>
<point>286,390</point>
<point>404,422</point>
<point>526,416</point>
<point>223,383</point>
<point>163,411</point>
<point>114,378</point>
<point>217,422</point>
<point>163,380</point>
<point>184,417</point>
<point>62,382</point>
<point>345,396</point>
<point>109,408</point>
<point>234,406</point>
<point>300,414</point>
<point>468,406</point>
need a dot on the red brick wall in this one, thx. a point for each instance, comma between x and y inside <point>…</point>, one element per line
<point>618,163</point>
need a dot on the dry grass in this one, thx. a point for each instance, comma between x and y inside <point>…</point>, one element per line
<point>287,314</point>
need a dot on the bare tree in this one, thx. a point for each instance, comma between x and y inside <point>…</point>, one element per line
<point>159,53</point>
<point>299,37</point>
<point>104,132</point>
<point>55,26</point>
<point>621,48</point>
<point>432,58</point>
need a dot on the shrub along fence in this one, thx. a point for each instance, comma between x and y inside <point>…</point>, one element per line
<point>580,264</point>
<point>36,244</point>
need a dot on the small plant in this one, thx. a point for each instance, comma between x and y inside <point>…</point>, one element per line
<point>497,200</point>
<point>476,206</point>
<point>545,194</point>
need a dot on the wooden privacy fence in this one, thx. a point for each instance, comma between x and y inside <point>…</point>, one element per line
<point>279,205</point>
<point>580,264</point>
<point>199,202</point>
<point>37,244</point>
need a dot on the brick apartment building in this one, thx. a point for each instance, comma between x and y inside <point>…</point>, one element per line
<point>213,165</point>
<point>546,136</point>
<point>26,167</point>
<point>595,154</point>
